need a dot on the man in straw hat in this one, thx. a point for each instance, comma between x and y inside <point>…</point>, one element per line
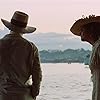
<point>19,59</point>
<point>89,30</point>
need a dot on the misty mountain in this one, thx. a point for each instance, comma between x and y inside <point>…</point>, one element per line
<point>57,41</point>
<point>54,41</point>
<point>3,32</point>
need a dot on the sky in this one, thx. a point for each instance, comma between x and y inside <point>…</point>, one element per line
<point>50,15</point>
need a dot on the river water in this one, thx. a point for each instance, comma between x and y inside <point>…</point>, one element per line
<point>62,81</point>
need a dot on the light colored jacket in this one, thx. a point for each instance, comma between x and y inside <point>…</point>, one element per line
<point>95,56</point>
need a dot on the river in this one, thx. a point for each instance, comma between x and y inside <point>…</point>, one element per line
<point>62,81</point>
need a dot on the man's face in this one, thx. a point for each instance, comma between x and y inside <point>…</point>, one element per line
<point>85,36</point>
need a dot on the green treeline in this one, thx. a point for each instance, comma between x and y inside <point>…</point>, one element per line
<point>66,56</point>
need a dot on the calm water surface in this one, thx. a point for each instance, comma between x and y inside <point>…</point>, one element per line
<point>64,81</point>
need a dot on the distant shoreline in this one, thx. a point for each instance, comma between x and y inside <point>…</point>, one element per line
<point>67,56</point>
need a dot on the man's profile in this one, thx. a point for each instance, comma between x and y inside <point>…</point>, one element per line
<point>89,30</point>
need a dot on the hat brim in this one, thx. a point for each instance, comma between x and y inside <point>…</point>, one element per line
<point>76,27</point>
<point>12,27</point>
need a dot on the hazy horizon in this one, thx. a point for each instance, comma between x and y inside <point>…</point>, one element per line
<point>50,15</point>
<point>53,40</point>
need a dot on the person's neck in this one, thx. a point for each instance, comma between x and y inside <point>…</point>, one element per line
<point>12,32</point>
<point>93,42</point>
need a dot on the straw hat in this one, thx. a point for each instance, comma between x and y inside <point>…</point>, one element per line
<point>76,27</point>
<point>19,23</point>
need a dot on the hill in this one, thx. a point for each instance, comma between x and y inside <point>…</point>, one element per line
<point>54,41</point>
<point>66,56</point>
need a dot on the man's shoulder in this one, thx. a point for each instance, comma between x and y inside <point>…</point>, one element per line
<point>30,43</point>
<point>97,47</point>
<point>34,47</point>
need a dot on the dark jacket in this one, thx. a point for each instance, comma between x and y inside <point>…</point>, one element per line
<point>19,59</point>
